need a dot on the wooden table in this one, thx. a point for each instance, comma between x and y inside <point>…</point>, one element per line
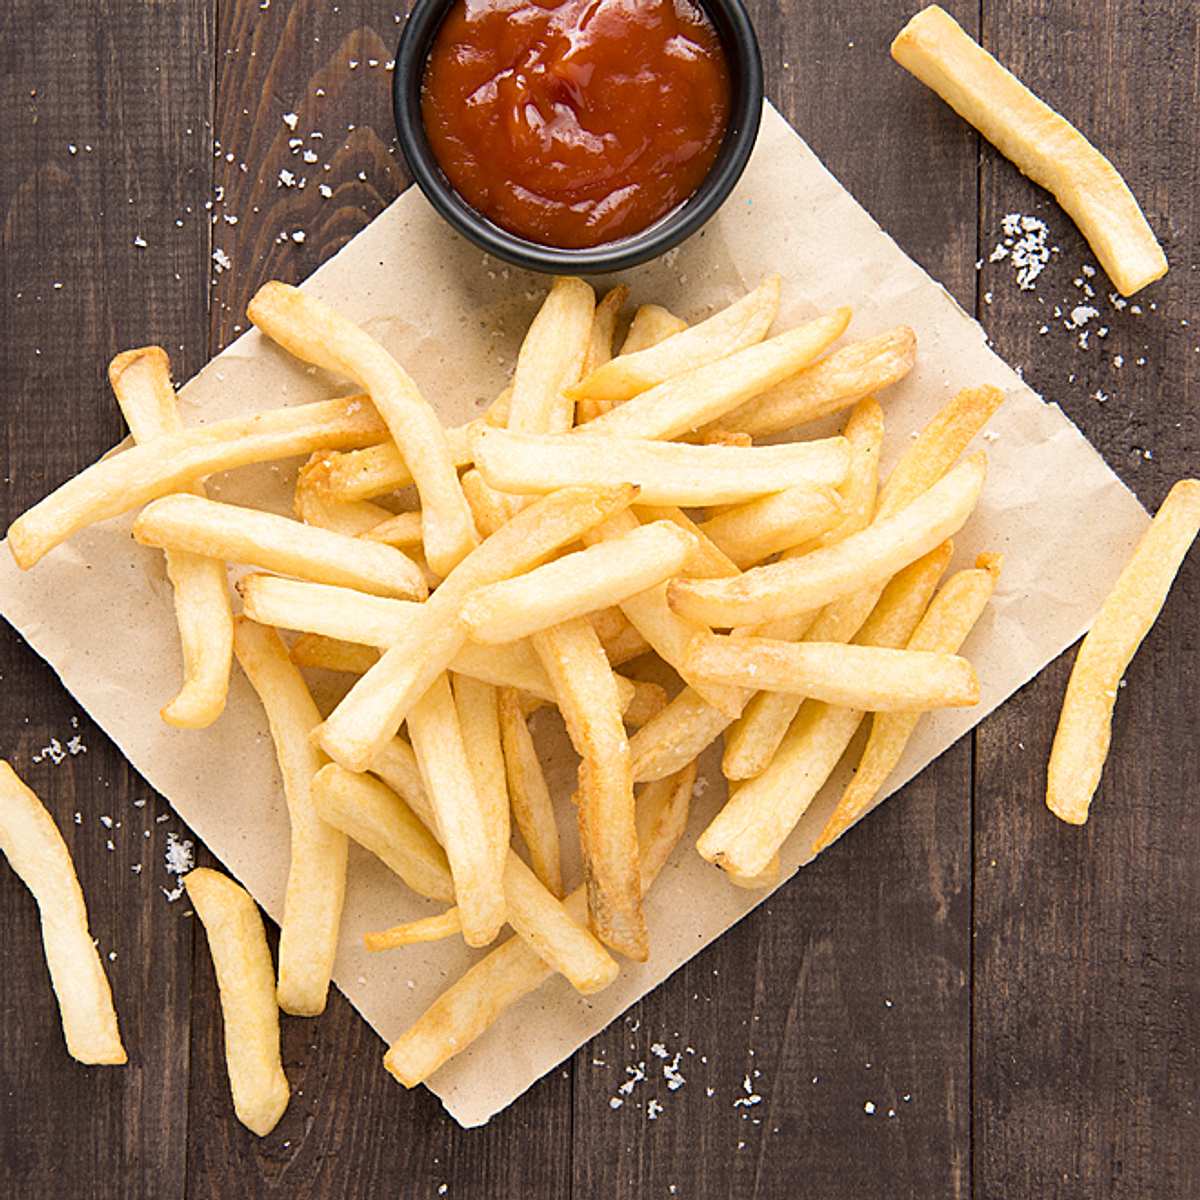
<point>1024,997</point>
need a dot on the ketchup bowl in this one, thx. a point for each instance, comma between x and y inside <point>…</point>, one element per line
<point>627,173</point>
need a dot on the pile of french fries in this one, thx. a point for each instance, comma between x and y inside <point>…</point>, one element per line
<point>795,599</point>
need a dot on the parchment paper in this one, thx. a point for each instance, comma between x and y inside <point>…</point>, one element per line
<point>1063,521</point>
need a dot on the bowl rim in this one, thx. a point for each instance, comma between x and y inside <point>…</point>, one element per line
<point>740,44</point>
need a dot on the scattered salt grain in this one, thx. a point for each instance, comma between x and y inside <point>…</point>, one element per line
<point>106,821</point>
<point>299,236</point>
<point>140,242</point>
<point>286,178</point>
<point>869,1108</point>
<point>325,190</point>
<point>221,260</point>
<point>290,119</point>
<point>653,1108</point>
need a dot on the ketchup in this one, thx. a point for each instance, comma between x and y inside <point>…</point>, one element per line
<point>575,122</point>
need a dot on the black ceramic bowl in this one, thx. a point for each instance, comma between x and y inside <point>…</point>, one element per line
<point>746,98</point>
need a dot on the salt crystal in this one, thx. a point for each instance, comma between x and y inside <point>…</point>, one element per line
<point>290,120</point>
<point>869,1108</point>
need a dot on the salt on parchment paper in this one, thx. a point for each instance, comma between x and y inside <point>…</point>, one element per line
<point>1062,519</point>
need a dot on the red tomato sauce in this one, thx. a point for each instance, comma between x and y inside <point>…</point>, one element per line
<point>575,122</point>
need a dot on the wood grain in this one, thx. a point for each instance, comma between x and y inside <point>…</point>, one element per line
<point>1026,995</point>
<point>1087,972</point>
<point>106,111</point>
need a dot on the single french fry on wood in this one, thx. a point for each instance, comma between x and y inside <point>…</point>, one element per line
<point>246,981</point>
<point>1085,726</point>
<point>35,850</point>
<point>1040,142</point>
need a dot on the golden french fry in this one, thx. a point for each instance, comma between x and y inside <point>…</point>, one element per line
<point>478,711</point>
<point>837,381</point>
<point>374,816</point>
<point>767,878</point>
<point>247,535</point>
<point>951,615</point>
<point>124,481</point>
<point>1085,727</point>
<point>378,468</point>
<point>587,698</point>
<point>330,654</point>
<point>532,910</point>
<point>551,358</point>
<point>529,795</point>
<point>428,929</point>
<point>402,531</point>
<point>315,333</point>
<point>141,381</point>
<point>704,394</point>
<point>246,981</point>
<point>1043,144</point>
<point>600,346</point>
<point>651,324</point>
<point>666,472</point>
<point>749,831</point>
<point>675,736</point>
<point>577,584</point>
<point>716,436</point>
<point>867,677</point>
<point>316,883</point>
<point>748,533</point>
<point>741,324</point>
<point>461,813</point>
<point>649,699</point>
<point>36,851</point>
<point>868,557</point>
<point>475,1001</point>
<point>625,644</point>
<point>354,518</point>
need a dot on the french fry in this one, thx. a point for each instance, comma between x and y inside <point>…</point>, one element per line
<point>576,584</point>
<point>122,482</point>
<point>1085,727</point>
<point>741,324</point>
<point>865,558</point>
<point>749,831</point>
<point>316,883</point>
<point>869,677</point>
<point>675,736</point>
<point>651,324</point>
<point>532,910</point>
<point>247,535</point>
<point>600,346</point>
<point>551,358</point>
<point>315,333</point>
<point>587,697</point>
<point>1040,142</point>
<point>373,815</point>
<point>354,518</point>
<point>428,929</point>
<point>748,533</point>
<point>372,711</point>
<point>529,795</point>
<point>951,615</point>
<point>705,394</point>
<point>478,711</point>
<point>141,381</point>
<point>765,879</point>
<point>36,851</point>
<point>402,531</point>
<point>246,981</point>
<point>505,975</point>
<point>835,382</point>
<point>623,646</point>
<point>666,472</point>
<point>716,436</point>
<point>330,654</point>
<point>461,813</point>
<point>649,699</point>
<point>752,742</point>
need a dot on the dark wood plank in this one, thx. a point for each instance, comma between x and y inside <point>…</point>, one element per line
<point>1087,1002</point>
<point>800,990</point>
<point>350,1131</point>
<point>105,108</point>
